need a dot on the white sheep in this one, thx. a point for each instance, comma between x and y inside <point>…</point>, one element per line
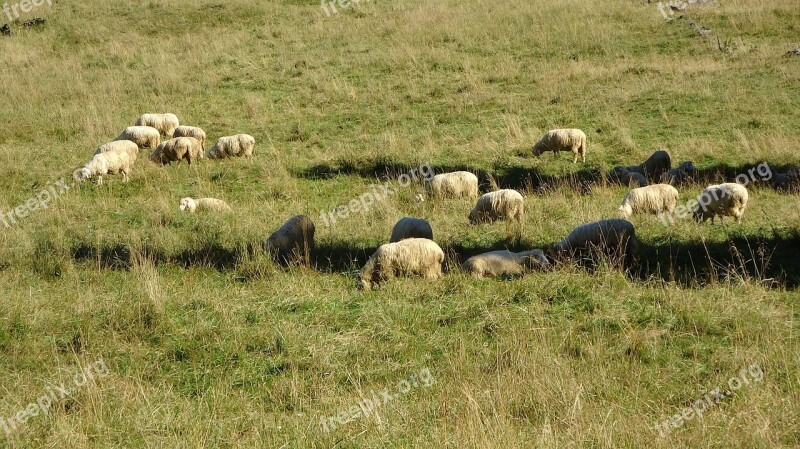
<point>654,167</point>
<point>681,174</point>
<point>229,146</point>
<point>505,204</point>
<point>557,140</point>
<point>177,149</point>
<point>108,163</point>
<point>615,238</point>
<point>143,136</point>
<point>505,263</point>
<point>654,199</point>
<point>409,257</point>
<point>191,131</point>
<point>164,123</point>
<point>203,204</point>
<point>454,184</point>
<point>119,145</point>
<point>293,242</point>
<point>408,227</point>
<point>622,176</point>
<point>726,200</point>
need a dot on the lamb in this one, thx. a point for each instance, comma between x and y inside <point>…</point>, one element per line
<point>177,149</point>
<point>502,204</point>
<point>505,263</point>
<point>409,257</point>
<point>110,162</point>
<point>191,131</point>
<point>119,145</point>
<point>164,123</point>
<point>408,227</point>
<point>143,136</point>
<point>203,204</point>
<point>229,146</point>
<point>621,175</point>
<point>654,199</point>
<point>726,200</point>
<point>454,184</point>
<point>654,167</point>
<point>557,140</point>
<point>681,174</point>
<point>614,238</point>
<point>293,242</point>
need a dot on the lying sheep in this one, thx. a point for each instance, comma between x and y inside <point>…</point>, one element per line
<point>177,149</point>
<point>506,204</point>
<point>108,163</point>
<point>726,200</point>
<point>409,257</point>
<point>203,204</point>
<point>653,199</point>
<point>408,227</point>
<point>230,146</point>
<point>505,263</point>
<point>143,136</point>
<point>557,140</point>
<point>621,175</point>
<point>164,123</point>
<point>614,238</point>
<point>454,184</point>
<point>119,145</point>
<point>191,131</point>
<point>293,242</point>
<point>654,167</point>
<point>681,174</point>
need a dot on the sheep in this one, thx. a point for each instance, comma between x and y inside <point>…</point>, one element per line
<point>621,175</point>
<point>191,131</point>
<point>142,136</point>
<point>615,238</point>
<point>786,181</point>
<point>177,149</point>
<point>293,242</point>
<point>454,184</point>
<point>653,199</point>
<point>681,174</point>
<point>110,162</point>
<point>119,145</point>
<point>409,257</point>
<point>504,263</point>
<point>193,205</point>
<point>654,167</point>
<point>728,199</point>
<point>408,227</point>
<point>164,123</point>
<point>229,146</point>
<point>502,204</point>
<point>557,140</point>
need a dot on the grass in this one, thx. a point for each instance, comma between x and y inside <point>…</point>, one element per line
<point>209,344</point>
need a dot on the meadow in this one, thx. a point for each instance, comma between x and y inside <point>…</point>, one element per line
<point>208,344</point>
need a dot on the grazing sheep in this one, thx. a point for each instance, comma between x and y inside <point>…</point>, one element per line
<point>143,136</point>
<point>177,149</point>
<point>557,140</point>
<point>621,175</point>
<point>203,204</point>
<point>409,257</point>
<point>293,242</point>
<point>786,181</point>
<point>726,200</point>
<point>191,131</point>
<point>408,227</point>
<point>681,174</point>
<point>229,146</point>
<point>505,263</point>
<point>652,199</point>
<point>506,204</point>
<point>164,123</point>
<point>119,145</point>
<point>454,184</point>
<point>111,162</point>
<point>614,238</point>
<point>654,167</point>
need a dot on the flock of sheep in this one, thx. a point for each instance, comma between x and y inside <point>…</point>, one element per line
<point>411,250</point>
